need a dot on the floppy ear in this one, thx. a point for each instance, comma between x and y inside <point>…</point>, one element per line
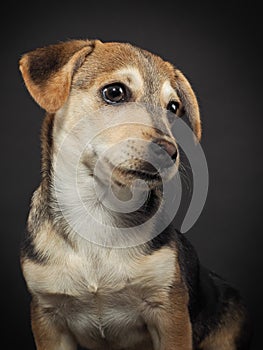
<point>189,101</point>
<point>48,71</point>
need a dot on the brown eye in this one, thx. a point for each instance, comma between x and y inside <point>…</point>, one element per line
<point>173,106</point>
<point>115,93</point>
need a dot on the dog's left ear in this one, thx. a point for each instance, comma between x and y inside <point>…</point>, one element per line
<point>189,101</point>
<point>48,71</point>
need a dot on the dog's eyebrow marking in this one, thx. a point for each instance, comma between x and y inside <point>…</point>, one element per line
<point>168,93</point>
<point>131,76</point>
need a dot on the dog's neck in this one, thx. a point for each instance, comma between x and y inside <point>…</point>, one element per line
<point>69,206</point>
<point>85,213</point>
<point>45,209</point>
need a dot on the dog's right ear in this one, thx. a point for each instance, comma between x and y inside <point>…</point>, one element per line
<point>188,98</point>
<point>48,71</point>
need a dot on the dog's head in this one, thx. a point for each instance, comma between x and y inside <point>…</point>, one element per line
<point>106,82</point>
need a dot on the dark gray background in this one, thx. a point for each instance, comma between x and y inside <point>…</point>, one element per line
<point>219,48</point>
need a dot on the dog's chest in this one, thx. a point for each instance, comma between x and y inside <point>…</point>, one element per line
<point>105,296</point>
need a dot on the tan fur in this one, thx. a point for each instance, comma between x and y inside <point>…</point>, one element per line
<point>53,93</point>
<point>102,298</point>
<point>225,336</point>
<point>170,324</point>
<point>189,101</point>
<point>47,334</point>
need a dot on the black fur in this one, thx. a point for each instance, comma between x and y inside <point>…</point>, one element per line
<point>28,250</point>
<point>46,61</point>
<point>210,297</point>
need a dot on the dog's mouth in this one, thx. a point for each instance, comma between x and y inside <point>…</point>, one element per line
<point>125,173</point>
<point>133,181</point>
<point>125,176</point>
<point>122,169</point>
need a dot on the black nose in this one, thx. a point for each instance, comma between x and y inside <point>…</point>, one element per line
<point>166,146</point>
<point>162,154</point>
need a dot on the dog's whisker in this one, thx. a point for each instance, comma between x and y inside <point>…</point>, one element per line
<point>184,174</point>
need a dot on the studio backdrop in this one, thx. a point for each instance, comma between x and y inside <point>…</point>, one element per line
<point>219,48</point>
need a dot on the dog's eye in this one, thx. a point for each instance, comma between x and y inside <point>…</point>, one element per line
<point>114,93</point>
<point>173,106</point>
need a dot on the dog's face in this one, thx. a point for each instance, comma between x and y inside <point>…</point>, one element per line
<point>126,99</point>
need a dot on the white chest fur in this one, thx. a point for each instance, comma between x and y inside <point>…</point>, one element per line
<point>103,293</point>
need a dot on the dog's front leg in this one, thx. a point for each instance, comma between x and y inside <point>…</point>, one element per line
<point>174,336</point>
<point>169,323</point>
<point>48,334</point>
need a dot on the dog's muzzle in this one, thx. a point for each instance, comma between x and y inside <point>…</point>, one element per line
<point>153,164</point>
<point>152,161</point>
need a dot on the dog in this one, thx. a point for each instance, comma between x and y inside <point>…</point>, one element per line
<point>149,296</point>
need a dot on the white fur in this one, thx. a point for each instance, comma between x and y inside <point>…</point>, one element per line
<point>103,293</point>
<point>168,93</point>
<point>131,76</point>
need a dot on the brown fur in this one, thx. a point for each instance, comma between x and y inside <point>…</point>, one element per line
<point>227,333</point>
<point>189,101</point>
<point>47,72</point>
<point>47,333</point>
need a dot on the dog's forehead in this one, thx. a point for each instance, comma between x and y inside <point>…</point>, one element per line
<point>110,58</point>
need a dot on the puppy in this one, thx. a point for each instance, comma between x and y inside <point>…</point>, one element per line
<point>144,291</point>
